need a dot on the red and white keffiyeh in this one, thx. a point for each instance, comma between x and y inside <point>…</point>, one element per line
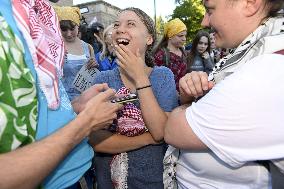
<point>130,123</point>
<point>39,25</point>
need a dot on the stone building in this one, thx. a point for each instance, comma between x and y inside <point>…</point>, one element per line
<point>63,3</point>
<point>104,12</point>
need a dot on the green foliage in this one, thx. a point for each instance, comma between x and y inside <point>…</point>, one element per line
<point>191,12</point>
<point>160,26</point>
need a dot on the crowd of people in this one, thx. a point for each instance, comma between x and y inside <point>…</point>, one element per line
<point>205,117</point>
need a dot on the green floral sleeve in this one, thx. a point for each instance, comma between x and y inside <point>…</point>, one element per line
<point>18,102</point>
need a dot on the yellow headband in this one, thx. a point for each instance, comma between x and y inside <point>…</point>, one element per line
<point>174,27</point>
<point>68,13</point>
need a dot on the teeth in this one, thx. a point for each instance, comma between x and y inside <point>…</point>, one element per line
<point>122,40</point>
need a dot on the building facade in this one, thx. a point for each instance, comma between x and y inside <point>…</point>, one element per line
<point>99,10</point>
<point>102,11</point>
<point>63,3</point>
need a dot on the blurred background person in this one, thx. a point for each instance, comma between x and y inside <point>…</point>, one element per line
<point>170,50</point>
<point>78,52</point>
<point>215,52</point>
<point>199,58</point>
<point>107,58</point>
<point>94,36</point>
<point>82,30</point>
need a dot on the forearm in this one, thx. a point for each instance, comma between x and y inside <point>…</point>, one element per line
<point>178,132</point>
<point>26,167</point>
<point>107,142</point>
<point>153,115</point>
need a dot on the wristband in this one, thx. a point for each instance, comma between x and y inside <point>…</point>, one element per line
<point>147,86</point>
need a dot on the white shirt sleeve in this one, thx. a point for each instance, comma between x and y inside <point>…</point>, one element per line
<point>242,118</point>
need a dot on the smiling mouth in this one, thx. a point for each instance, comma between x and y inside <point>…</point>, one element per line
<point>124,42</point>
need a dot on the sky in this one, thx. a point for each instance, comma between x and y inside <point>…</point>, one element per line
<point>164,8</point>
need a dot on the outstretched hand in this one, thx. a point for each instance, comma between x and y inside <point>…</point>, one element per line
<point>100,111</point>
<point>194,85</point>
<point>79,102</point>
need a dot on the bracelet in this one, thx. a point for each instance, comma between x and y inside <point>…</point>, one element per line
<point>147,86</point>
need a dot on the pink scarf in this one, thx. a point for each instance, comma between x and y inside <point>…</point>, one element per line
<point>39,25</point>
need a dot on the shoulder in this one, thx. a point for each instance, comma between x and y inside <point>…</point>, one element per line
<point>268,64</point>
<point>87,44</point>
<point>268,59</point>
<point>161,74</point>
<point>162,71</point>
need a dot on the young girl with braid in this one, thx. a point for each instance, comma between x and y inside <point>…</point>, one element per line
<point>131,156</point>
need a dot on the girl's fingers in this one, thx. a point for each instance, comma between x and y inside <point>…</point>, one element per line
<point>125,49</point>
<point>120,64</point>
<point>120,57</point>
<point>118,48</point>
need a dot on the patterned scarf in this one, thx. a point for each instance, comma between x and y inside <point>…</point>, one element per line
<point>39,25</point>
<point>18,100</point>
<point>268,38</point>
<point>130,123</point>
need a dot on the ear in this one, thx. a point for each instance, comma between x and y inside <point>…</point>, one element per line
<point>252,7</point>
<point>149,40</point>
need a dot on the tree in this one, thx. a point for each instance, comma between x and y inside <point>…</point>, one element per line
<point>191,12</point>
<point>160,26</point>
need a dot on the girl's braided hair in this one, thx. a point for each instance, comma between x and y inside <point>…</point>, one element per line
<point>149,59</point>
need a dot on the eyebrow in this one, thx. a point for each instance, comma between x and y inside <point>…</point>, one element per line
<point>127,21</point>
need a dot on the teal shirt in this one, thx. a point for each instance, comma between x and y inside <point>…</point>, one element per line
<point>72,168</point>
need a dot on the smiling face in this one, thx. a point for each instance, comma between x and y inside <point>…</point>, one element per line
<point>226,16</point>
<point>129,30</point>
<point>178,40</point>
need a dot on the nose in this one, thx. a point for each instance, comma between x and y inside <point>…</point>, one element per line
<point>68,32</point>
<point>120,29</point>
<point>205,20</point>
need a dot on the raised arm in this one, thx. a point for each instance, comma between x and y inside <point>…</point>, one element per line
<point>134,66</point>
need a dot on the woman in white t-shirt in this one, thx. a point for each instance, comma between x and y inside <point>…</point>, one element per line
<point>239,119</point>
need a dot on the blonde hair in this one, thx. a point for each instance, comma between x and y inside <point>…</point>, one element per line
<point>104,49</point>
